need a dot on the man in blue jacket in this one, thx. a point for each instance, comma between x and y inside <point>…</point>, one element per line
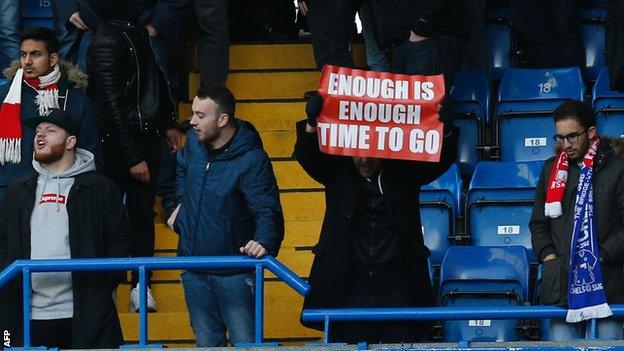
<point>229,204</point>
<point>38,82</point>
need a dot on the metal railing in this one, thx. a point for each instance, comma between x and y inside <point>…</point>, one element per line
<point>144,265</point>
<point>327,316</point>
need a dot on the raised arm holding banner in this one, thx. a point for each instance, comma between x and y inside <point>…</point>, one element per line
<point>380,115</point>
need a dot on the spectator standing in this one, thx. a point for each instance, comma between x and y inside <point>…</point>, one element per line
<point>63,210</point>
<point>577,226</point>
<point>40,81</point>
<point>74,24</point>
<point>229,204</point>
<point>371,251</point>
<point>549,33</point>
<point>131,97</point>
<point>10,24</point>
<point>213,41</point>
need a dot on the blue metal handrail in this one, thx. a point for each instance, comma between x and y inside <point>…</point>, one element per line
<point>145,264</point>
<point>440,313</point>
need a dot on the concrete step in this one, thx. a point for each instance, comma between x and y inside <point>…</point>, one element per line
<point>277,56</point>
<point>303,207</point>
<point>265,85</point>
<point>282,308</point>
<point>265,116</point>
<point>297,234</point>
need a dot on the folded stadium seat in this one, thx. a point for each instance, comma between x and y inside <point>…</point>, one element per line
<point>483,276</point>
<point>526,100</point>
<point>499,40</point>
<point>593,33</point>
<point>499,204</point>
<point>440,203</point>
<point>471,104</point>
<point>609,106</point>
<point>37,13</point>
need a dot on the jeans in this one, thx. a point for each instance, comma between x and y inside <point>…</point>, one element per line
<point>331,23</point>
<point>73,42</point>
<point>10,23</point>
<point>608,329</point>
<point>375,58</point>
<point>139,196</point>
<point>422,57</point>
<point>219,302</point>
<point>213,41</point>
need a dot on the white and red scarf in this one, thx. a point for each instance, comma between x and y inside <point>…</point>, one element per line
<point>11,110</point>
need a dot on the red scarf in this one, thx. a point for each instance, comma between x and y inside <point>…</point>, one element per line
<point>559,178</point>
<point>11,111</point>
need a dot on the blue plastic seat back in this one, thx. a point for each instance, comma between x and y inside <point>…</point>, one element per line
<point>37,8</point>
<point>471,103</point>
<point>498,37</point>
<point>472,268</point>
<point>500,202</point>
<point>609,107</point>
<point>483,276</point>
<point>440,203</point>
<point>526,101</point>
<point>595,50</point>
<point>38,22</point>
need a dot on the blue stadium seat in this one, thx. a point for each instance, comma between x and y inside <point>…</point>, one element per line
<point>483,276</point>
<point>595,51</point>
<point>499,204</point>
<point>526,101</point>
<point>498,38</point>
<point>609,107</point>
<point>37,8</point>
<point>440,203</point>
<point>471,104</point>
<point>37,22</point>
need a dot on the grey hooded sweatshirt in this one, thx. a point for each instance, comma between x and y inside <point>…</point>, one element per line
<point>52,296</point>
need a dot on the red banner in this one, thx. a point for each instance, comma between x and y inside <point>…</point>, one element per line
<point>380,114</point>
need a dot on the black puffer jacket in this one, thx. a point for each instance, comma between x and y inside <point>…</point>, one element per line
<point>128,88</point>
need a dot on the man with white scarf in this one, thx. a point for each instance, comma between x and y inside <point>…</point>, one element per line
<point>39,81</point>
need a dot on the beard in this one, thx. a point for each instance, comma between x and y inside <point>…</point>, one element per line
<point>46,157</point>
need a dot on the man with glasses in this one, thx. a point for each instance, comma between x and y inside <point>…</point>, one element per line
<point>577,225</point>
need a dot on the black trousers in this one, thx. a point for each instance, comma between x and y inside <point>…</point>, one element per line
<point>377,332</point>
<point>213,41</point>
<point>139,196</point>
<point>331,24</point>
<point>548,32</point>
<point>51,333</point>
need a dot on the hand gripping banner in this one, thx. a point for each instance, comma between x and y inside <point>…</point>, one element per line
<point>380,114</point>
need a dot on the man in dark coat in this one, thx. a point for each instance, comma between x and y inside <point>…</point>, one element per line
<point>371,251</point>
<point>551,236</point>
<point>63,210</point>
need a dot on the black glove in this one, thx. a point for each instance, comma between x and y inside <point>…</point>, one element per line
<point>313,106</point>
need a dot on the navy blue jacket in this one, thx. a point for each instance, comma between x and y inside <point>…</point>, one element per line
<point>229,199</point>
<point>71,99</point>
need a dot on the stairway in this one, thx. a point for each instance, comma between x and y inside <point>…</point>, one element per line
<point>268,82</point>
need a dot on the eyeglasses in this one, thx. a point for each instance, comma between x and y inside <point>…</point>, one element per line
<point>571,138</point>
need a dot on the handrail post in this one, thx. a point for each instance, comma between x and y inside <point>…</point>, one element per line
<point>591,325</point>
<point>326,330</point>
<point>259,297</point>
<point>142,307</point>
<point>26,301</point>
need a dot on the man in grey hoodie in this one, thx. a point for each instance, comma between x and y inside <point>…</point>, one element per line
<point>64,210</point>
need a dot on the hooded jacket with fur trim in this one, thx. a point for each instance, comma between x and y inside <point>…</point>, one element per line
<point>553,235</point>
<point>72,99</point>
